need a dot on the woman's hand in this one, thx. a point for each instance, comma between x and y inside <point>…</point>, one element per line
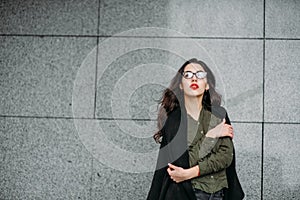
<point>178,174</point>
<point>221,130</point>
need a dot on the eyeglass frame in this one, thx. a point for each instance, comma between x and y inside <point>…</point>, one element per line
<point>194,74</point>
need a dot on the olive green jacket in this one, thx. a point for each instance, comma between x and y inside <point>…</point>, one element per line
<point>212,155</point>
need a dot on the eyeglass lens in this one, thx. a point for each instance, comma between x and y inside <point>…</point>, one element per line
<point>189,74</point>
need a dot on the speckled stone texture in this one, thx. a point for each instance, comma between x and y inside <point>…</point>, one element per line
<point>195,18</point>
<point>281,161</point>
<point>71,17</point>
<point>43,159</point>
<point>282,19</point>
<point>114,184</point>
<point>282,81</point>
<point>248,147</point>
<point>38,74</point>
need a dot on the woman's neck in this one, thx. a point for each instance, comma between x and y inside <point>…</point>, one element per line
<point>193,106</point>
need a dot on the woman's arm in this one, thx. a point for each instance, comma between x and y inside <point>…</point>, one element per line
<point>221,130</point>
<point>216,161</point>
<point>212,136</point>
<point>178,174</point>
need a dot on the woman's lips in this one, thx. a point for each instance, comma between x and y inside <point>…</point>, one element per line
<point>194,86</point>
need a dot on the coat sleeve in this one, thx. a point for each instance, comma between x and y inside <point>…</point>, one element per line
<point>217,160</point>
<point>206,146</point>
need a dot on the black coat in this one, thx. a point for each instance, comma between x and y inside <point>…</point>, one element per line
<point>174,150</point>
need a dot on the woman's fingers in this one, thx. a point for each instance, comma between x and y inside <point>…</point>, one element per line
<point>172,166</point>
<point>227,130</point>
<point>169,171</point>
<point>176,173</point>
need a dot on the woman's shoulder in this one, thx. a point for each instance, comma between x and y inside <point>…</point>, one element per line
<point>220,113</point>
<point>216,112</point>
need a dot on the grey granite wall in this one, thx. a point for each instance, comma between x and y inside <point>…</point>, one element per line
<point>80,80</point>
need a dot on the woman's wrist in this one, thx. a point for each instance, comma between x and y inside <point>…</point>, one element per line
<point>210,134</point>
<point>193,172</point>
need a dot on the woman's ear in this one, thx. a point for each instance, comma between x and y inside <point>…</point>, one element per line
<point>180,86</point>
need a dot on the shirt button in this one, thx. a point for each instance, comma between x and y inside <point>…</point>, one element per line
<point>212,177</point>
<point>201,131</point>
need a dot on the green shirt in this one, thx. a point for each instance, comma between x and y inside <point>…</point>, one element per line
<point>212,155</point>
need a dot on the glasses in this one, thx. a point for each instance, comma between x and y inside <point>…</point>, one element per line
<point>198,74</point>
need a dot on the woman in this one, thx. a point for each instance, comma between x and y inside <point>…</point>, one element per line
<point>196,157</point>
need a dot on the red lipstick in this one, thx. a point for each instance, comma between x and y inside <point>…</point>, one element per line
<point>194,86</point>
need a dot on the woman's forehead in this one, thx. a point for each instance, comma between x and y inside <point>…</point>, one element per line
<point>194,67</point>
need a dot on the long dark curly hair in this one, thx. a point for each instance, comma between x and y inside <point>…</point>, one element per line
<point>173,96</point>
